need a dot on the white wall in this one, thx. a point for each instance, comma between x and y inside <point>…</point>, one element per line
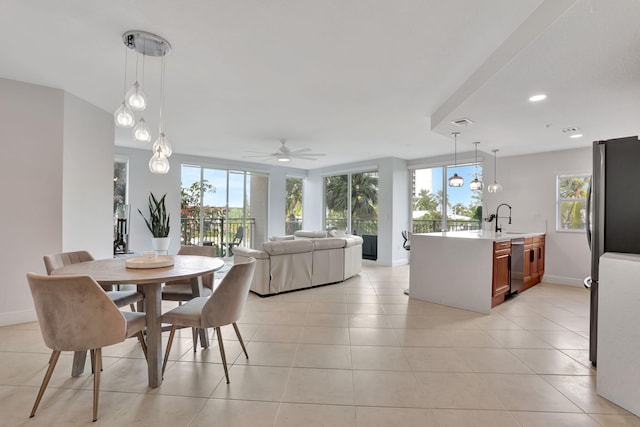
<point>393,210</point>
<point>529,186</point>
<point>87,179</point>
<point>40,208</point>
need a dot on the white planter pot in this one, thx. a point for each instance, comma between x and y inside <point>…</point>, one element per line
<point>160,244</point>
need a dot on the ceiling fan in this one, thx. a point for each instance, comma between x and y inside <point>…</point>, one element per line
<point>284,154</point>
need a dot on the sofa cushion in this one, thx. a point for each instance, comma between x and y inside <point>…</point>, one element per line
<point>287,247</point>
<point>280,238</point>
<point>310,234</point>
<point>337,233</point>
<point>328,243</point>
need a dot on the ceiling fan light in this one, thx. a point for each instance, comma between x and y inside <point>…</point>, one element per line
<point>284,158</point>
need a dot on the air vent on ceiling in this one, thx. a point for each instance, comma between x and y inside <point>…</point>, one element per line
<point>570,129</point>
<point>462,122</point>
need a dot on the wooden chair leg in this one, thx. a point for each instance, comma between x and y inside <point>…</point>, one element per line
<point>222,355</point>
<point>143,344</point>
<point>92,356</point>
<point>45,382</point>
<point>235,327</point>
<point>96,382</point>
<point>169,344</point>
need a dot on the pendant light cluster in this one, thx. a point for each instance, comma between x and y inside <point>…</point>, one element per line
<point>495,187</point>
<point>135,100</point>
<point>455,180</point>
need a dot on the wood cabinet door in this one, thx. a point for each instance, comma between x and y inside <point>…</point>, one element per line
<point>501,271</point>
<point>527,264</point>
<point>541,259</point>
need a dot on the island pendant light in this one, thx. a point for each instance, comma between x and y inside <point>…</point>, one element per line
<point>455,180</point>
<point>495,187</point>
<point>146,44</point>
<point>476,184</point>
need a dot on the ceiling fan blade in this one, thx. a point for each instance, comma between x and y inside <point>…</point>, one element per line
<point>305,158</point>
<point>314,154</point>
<point>264,156</point>
<point>300,151</point>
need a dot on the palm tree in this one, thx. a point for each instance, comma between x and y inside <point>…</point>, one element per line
<point>426,201</point>
<point>294,197</point>
<point>571,213</point>
<point>364,199</point>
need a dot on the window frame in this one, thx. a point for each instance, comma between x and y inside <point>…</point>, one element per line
<point>559,201</point>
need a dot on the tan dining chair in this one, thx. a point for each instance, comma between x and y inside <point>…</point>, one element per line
<point>120,298</point>
<point>223,307</point>
<point>180,290</point>
<point>75,314</point>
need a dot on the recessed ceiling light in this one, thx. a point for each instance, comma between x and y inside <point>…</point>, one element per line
<point>538,98</point>
<point>575,135</point>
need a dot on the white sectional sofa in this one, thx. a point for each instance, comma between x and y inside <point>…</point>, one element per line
<point>309,258</point>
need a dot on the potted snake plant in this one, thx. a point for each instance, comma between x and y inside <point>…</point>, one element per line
<point>158,222</point>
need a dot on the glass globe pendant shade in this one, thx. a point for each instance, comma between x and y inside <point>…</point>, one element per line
<point>135,98</point>
<point>476,184</point>
<point>494,188</point>
<point>123,117</point>
<point>141,131</point>
<point>162,144</point>
<point>159,163</point>
<point>456,181</point>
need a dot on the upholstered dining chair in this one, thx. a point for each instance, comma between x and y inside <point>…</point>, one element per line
<point>120,298</point>
<point>180,290</point>
<point>75,314</point>
<point>223,307</point>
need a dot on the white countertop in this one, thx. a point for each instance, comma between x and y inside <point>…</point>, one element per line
<point>482,235</point>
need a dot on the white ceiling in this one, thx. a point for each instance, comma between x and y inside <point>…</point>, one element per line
<point>357,79</point>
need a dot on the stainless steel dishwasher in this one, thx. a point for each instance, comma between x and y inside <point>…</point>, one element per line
<point>517,265</point>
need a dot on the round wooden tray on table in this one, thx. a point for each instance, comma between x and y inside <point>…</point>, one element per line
<point>141,262</point>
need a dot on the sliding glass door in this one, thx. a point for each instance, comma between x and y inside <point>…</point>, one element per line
<point>223,208</point>
<point>351,202</point>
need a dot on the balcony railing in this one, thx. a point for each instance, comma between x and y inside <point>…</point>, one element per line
<point>358,226</point>
<point>215,231</point>
<point>435,225</point>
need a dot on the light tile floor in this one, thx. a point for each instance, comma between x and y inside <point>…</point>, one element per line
<point>359,353</point>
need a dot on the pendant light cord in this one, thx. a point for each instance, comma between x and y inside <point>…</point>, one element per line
<point>162,95</point>
<point>495,168</point>
<point>124,86</point>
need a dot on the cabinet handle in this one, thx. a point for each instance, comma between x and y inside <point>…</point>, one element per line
<point>531,255</point>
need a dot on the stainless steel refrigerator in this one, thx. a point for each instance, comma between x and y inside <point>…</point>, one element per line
<point>613,212</point>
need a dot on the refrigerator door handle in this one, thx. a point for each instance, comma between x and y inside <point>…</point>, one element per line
<point>587,282</point>
<point>588,216</point>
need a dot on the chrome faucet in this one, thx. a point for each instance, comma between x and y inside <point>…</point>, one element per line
<point>498,228</point>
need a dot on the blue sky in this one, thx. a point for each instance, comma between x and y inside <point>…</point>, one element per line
<point>456,195</point>
<point>218,178</point>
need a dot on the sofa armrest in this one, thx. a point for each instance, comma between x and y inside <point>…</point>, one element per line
<point>352,240</point>
<point>248,252</point>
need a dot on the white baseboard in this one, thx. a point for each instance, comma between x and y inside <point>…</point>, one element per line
<point>559,280</point>
<point>15,317</point>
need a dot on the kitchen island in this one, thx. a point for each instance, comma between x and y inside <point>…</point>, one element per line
<point>466,269</point>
